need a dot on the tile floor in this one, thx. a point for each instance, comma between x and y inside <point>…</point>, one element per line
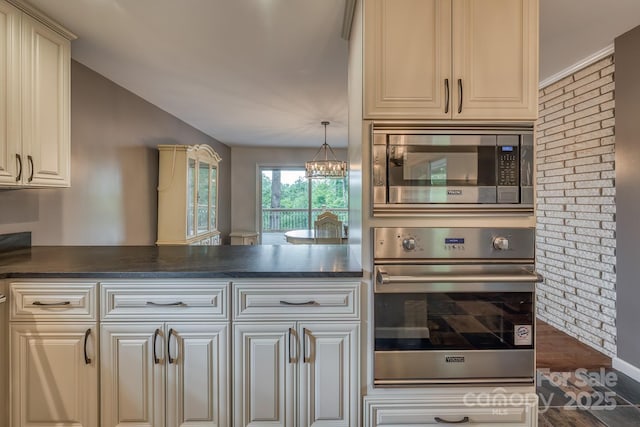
<point>602,398</point>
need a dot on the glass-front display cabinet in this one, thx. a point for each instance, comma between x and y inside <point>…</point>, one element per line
<point>188,195</point>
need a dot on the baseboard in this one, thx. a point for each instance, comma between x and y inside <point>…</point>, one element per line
<point>626,368</point>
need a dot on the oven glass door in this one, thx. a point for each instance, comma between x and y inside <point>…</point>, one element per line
<point>454,321</point>
<point>442,169</point>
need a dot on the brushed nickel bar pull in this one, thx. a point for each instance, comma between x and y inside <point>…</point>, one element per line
<point>299,303</point>
<point>51,304</point>
<point>291,332</point>
<point>443,421</point>
<point>460,99</point>
<point>169,358</point>
<point>155,338</point>
<point>87,360</point>
<point>31,166</point>
<point>165,304</point>
<point>19,176</point>
<point>446,96</point>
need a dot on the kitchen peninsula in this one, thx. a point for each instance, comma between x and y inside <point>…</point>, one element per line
<point>230,335</point>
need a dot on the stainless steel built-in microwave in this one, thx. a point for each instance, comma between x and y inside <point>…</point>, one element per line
<point>452,169</point>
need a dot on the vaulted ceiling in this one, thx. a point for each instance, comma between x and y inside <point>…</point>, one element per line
<point>267,72</point>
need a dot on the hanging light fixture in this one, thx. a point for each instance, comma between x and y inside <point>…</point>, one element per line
<point>321,167</point>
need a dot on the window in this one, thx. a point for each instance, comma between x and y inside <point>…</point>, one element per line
<point>289,201</point>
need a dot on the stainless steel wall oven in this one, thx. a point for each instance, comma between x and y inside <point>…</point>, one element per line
<point>462,168</point>
<point>454,305</point>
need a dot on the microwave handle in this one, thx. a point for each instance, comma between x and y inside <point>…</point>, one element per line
<point>383,278</point>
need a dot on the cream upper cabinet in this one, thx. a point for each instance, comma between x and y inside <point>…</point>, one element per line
<point>188,195</point>
<point>451,59</point>
<point>35,62</point>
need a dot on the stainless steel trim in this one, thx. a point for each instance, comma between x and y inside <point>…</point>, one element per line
<point>383,278</point>
<point>438,140</point>
<point>417,210</point>
<point>431,366</point>
<point>459,128</point>
<point>417,383</point>
<point>443,195</point>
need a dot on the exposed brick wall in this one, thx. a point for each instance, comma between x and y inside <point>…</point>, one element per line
<point>576,228</point>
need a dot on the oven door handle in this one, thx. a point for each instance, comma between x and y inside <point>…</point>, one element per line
<point>383,278</point>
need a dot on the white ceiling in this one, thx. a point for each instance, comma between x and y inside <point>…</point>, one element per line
<point>267,72</point>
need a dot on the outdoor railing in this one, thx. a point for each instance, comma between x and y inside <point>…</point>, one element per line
<point>280,219</point>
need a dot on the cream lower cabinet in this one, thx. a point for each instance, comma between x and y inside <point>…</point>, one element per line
<point>475,408</point>
<point>164,354</point>
<point>296,373</point>
<point>164,374</point>
<point>53,354</point>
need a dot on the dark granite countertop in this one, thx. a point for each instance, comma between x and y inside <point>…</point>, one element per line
<point>286,261</point>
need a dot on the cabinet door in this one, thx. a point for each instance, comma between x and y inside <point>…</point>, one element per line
<point>10,134</point>
<point>265,360</point>
<point>329,374</point>
<point>495,59</point>
<point>407,59</point>
<point>132,374</point>
<point>51,381</point>
<point>45,105</point>
<point>197,382</point>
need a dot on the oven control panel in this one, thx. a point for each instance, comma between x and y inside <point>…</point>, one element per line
<point>454,243</point>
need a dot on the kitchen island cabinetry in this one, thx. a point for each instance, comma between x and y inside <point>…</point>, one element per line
<point>301,366</point>
<point>35,70</point>
<point>473,406</point>
<point>164,354</point>
<point>53,357</point>
<point>450,59</point>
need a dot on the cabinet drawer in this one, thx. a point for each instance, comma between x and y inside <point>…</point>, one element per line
<point>177,300</point>
<point>296,301</point>
<point>56,301</point>
<point>398,414</point>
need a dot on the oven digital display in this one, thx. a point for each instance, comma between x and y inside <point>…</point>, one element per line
<point>507,148</point>
<point>453,241</point>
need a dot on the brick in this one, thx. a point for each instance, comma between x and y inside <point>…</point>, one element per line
<point>594,101</point>
<point>574,100</point>
<point>602,200</point>
<point>557,85</point>
<point>607,70</point>
<point>547,96</point>
<point>558,114</point>
<point>590,239</point>
<point>555,129</point>
<point>610,105</point>
<point>596,84</point>
<point>597,66</point>
<point>585,128</point>
<point>595,167</point>
<point>582,80</point>
<point>555,100</point>
<point>558,186</point>
<point>551,164</point>
<point>581,177</point>
<point>577,253</point>
<point>592,151</point>
<point>594,216</point>
<point>604,234</point>
<point>585,144</point>
<point>561,143</point>
<point>550,138</point>
<point>582,208</point>
<point>593,135</point>
<point>595,118</point>
<point>550,124</point>
<point>583,223</point>
<point>583,192</point>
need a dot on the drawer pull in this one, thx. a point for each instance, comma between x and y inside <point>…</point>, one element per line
<point>443,421</point>
<point>51,304</point>
<point>171,359</point>
<point>305,359</point>
<point>299,303</point>
<point>87,360</point>
<point>165,304</point>
<point>155,338</point>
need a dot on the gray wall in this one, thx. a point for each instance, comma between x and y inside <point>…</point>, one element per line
<point>245,162</point>
<point>114,171</point>
<point>627,60</point>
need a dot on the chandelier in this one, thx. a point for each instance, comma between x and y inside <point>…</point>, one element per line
<point>321,167</point>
